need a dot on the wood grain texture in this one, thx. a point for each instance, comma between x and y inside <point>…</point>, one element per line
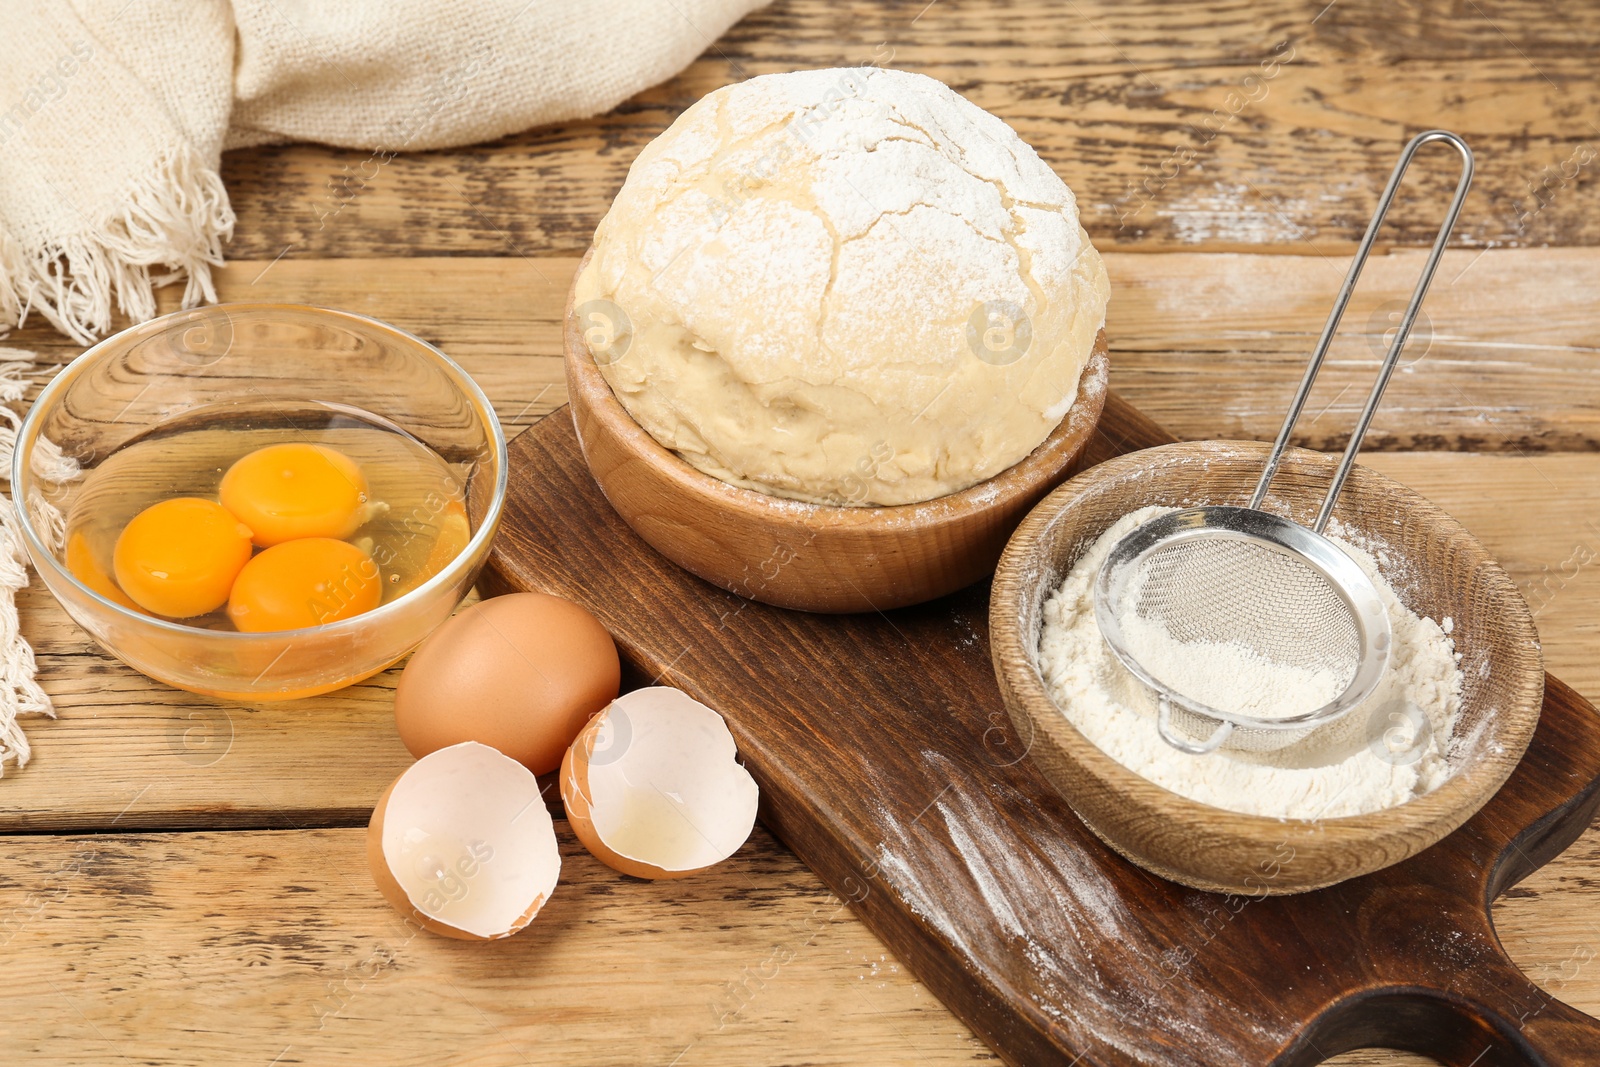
<point>451,244</point>
<point>111,950</point>
<point>1507,358</point>
<point>125,748</point>
<point>1159,116</point>
<point>274,948</point>
<point>293,953</point>
<point>1550,552</point>
<point>919,803</point>
<point>501,319</point>
<point>1504,358</point>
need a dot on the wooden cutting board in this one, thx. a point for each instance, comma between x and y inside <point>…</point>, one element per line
<point>887,762</point>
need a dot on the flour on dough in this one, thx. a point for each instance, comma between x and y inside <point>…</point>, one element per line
<point>845,286</point>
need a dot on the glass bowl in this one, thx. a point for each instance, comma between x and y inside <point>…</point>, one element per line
<point>244,361</point>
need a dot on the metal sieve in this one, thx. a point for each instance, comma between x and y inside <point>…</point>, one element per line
<point>1224,584</point>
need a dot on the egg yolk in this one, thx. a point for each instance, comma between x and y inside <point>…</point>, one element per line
<point>178,558</point>
<point>296,490</point>
<point>302,583</point>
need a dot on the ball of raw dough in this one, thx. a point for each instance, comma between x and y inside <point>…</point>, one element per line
<point>843,286</point>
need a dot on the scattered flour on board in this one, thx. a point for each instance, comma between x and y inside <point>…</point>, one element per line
<point>1064,932</point>
<point>1386,751</point>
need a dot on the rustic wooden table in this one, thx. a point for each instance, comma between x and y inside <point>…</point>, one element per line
<point>186,881</point>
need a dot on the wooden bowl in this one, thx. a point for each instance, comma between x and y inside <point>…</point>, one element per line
<point>1437,568</point>
<point>815,557</point>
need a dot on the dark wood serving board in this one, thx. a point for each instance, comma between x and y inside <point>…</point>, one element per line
<point>887,762</point>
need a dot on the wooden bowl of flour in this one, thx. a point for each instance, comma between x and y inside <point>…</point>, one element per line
<point>1436,568</point>
<point>815,557</point>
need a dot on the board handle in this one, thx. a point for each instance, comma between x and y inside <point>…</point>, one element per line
<point>1503,1017</point>
<point>1444,987</point>
<point>1495,1017</point>
<point>1523,1023</point>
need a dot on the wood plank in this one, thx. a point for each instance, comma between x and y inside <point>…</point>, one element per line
<point>1515,75</point>
<point>1114,96</point>
<point>1240,324</point>
<point>195,948</point>
<point>123,740</point>
<point>499,317</point>
<point>1551,930</point>
<point>1490,493</point>
<point>262,947</point>
<point>1504,361</point>
<point>131,752</point>
<point>454,301</point>
<point>1552,551</point>
<point>1503,358</point>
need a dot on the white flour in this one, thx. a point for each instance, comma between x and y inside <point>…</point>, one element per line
<point>1228,675</point>
<point>1388,750</point>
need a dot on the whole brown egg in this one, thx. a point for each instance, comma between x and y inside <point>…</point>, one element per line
<point>520,673</point>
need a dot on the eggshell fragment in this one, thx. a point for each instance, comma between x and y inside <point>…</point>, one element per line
<point>521,673</point>
<point>653,787</point>
<point>462,843</point>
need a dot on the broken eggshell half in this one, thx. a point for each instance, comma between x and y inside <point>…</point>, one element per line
<point>463,844</point>
<point>653,786</point>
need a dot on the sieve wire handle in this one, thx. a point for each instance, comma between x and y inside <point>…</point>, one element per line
<point>1393,358</point>
<point>1181,743</point>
